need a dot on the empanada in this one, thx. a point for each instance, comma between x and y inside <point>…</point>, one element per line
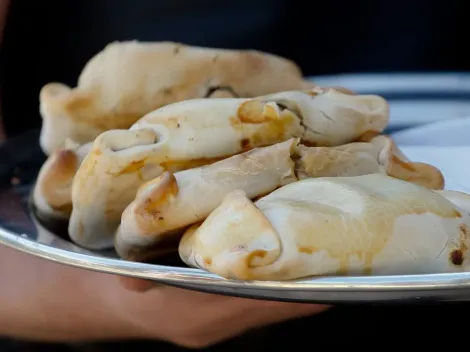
<point>379,155</point>
<point>126,80</point>
<point>333,116</point>
<point>363,225</point>
<point>106,182</point>
<point>223,127</point>
<point>171,202</point>
<point>52,194</point>
<point>164,207</point>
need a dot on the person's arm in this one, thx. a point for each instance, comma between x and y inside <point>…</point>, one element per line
<point>45,301</point>
<point>42,300</point>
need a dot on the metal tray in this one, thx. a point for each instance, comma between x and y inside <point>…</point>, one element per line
<point>22,230</point>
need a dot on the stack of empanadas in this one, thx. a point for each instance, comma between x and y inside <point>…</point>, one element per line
<point>247,170</point>
<point>129,79</point>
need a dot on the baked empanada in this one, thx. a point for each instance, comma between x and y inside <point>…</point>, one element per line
<point>52,194</point>
<point>165,206</point>
<point>223,127</point>
<point>333,116</point>
<point>106,182</point>
<point>363,225</point>
<point>379,155</point>
<point>126,80</point>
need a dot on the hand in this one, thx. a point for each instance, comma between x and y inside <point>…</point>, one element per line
<point>39,297</point>
<point>195,319</point>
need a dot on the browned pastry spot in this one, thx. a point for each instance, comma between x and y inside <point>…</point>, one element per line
<point>179,165</point>
<point>252,112</point>
<point>58,178</point>
<point>275,122</point>
<point>258,253</point>
<point>457,255</point>
<point>421,174</point>
<point>368,136</point>
<point>166,188</point>
<point>134,166</point>
<point>245,144</point>
<point>307,250</point>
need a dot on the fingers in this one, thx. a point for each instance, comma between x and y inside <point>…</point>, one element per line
<point>262,314</point>
<point>280,311</point>
<point>137,285</point>
<point>272,308</point>
<point>276,312</point>
<point>196,319</point>
<point>235,316</point>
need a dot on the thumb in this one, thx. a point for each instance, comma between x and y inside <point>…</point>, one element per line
<point>137,285</point>
<point>276,312</point>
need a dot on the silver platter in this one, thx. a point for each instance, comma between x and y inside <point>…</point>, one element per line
<point>412,288</point>
<point>22,230</point>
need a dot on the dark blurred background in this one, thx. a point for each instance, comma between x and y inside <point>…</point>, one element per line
<point>51,40</point>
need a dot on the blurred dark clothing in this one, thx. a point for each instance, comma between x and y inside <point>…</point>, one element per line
<point>51,40</point>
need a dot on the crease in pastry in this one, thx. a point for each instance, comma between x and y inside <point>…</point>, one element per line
<point>362,225</point>
<point>117,164</point>
<point>129,79</point>
<point>332,117</point>
<point>221,92</point>
<point>164,207</point>
<point>378,154</point>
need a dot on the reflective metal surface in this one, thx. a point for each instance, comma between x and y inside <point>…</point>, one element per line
<point>327,289</point>
<point>19,229</point>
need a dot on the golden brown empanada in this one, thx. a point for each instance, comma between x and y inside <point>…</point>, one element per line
<point>363,225</point>
<point>223,127</point>
<point>106,182</point>
<point>379,155</point>
<point>171,202</point>
<point>52,194</point>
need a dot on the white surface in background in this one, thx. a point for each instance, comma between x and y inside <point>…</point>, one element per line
<point>445,141</point>
<point>453,161</point>
<point>396,82</point>
<point>416,112</point>
<point>444,144</point>
<point>446,133</point>
<point>410,112</point>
